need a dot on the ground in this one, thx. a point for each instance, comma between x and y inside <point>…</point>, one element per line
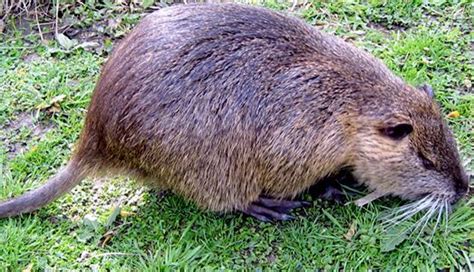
<point>112,224</point>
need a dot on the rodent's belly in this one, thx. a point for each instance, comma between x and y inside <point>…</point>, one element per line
<point>286,181</point>
<point>220,176</point>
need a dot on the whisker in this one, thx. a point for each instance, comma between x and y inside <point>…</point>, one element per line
<point>432,207</point>
<point>409,209</point>
<point>402,210</point>
<point>446,216</point>
<point>410,213</point>
<point>427,215</point>
<point>425,219</point>
<point>415,226</point>
<point>440,213</point>
<point>409,206</point>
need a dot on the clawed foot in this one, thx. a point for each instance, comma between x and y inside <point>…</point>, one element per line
<point>330,188</point>
<point>331,193</point>
<point>267,209</point>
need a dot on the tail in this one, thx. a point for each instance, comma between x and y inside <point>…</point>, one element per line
<point>61,183</point>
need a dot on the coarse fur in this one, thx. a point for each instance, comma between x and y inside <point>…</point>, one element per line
<point>224,103</point>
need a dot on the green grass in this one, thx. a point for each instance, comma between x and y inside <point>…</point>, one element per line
<point>43,97</point>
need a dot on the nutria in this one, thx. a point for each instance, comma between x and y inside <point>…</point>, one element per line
<point>240,108</point>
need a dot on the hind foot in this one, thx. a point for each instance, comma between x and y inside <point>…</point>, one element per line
<point>267,209</point>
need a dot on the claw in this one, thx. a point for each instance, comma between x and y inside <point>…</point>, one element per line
<point>282,206</point>
<point>267,209</point>
<point>333,194</point>
<point>328,191</point>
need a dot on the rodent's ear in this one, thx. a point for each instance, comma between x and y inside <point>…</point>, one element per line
<point>397,132</point>
<point>427,89</point>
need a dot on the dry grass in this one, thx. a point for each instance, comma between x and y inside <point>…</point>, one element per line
<point>19,7</point>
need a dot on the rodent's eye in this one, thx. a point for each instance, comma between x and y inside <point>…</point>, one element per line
<point>397,132</point>
<point>429,165</point>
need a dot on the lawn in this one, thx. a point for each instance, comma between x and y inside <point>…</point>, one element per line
<point>114,224</point>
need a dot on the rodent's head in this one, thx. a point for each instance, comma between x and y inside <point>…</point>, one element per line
<point>406,149</point>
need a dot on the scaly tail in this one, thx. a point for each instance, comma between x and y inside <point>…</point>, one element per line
<point>62,182</point>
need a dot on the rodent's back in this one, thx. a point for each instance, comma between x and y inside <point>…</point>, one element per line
<point>184,64</point>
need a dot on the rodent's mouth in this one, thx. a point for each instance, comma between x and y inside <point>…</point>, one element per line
<point>459,196</point>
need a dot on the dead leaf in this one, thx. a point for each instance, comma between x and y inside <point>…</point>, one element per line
<point>28,268</point>
<point>58,99</point>
<point>467,83</point>
<point>55,108</point>
<point>106,238</point>
<point>126,214</point>
<point>350,233</point>
<point>54,104</point>
<point>454,114</point>
<point>2,26</point>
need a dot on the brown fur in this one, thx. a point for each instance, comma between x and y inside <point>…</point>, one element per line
<point>224,103</point>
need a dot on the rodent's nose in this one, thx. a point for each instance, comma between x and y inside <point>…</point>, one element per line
<point>461,187</point>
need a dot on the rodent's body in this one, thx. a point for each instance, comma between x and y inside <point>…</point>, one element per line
<point>210,112</point>
<point>226,103</point>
